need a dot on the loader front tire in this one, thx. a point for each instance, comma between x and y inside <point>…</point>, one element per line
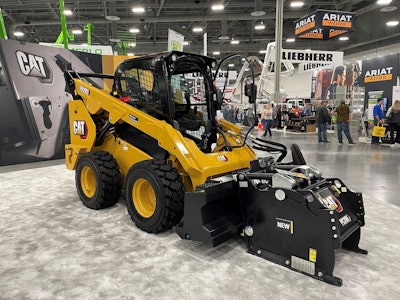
<point>154,195</point>
<point>98,180</point>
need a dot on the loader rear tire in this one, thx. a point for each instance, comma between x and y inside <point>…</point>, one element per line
<point>154,195</point>
<point>98,180</point>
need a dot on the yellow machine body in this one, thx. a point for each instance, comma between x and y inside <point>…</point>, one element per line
<point>194,165</point>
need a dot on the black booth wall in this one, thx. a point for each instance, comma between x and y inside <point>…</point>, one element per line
<point>380,74</point>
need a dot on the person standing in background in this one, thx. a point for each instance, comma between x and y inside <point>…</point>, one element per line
<point>393,116</point>
<point>365,117</point>
<point>296,111</point>
<point>307,110</point>
<point>224,111</point>
<point>267,118</point>
<point>378,119</point>
<point>343,117</point>
<point>251,117</point>
<point>323,118</point>
<point>279,117</point>
<point>231,114</point>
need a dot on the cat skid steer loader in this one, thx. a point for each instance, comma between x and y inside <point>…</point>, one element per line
<point>155,137</point>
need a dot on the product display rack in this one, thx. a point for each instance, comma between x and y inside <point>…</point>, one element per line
<point>356,104</point>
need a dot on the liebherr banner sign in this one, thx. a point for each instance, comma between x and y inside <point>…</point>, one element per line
<point>324,24</point>
<point>303,56</point>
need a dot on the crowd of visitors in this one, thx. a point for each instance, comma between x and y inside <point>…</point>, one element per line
<point>279,116</point>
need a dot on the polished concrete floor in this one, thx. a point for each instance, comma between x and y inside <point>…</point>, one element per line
<point>52,247</point>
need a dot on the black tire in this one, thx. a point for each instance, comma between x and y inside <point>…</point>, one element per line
<point>297,155</point>
<point>98,180</point>
<point>154,195</point>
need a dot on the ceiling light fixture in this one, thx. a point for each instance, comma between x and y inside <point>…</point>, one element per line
<point>260,26</point>
<point>290,40</point>
<point>392,23</point>
<point>217,7</point>
<point>77,31</point>
<point>258,12</point>
<point>113,18</point>
<point>383,2</point>
<point>235,42</point>
<point>138,10</point>
<point>197,29</point>
<point>344,38</point>
<point>134,30</point>
<point>223,37</point>
<point>18,33</point>
<point>296,4</point>
<point>388,8</point>
<point>67,12</point>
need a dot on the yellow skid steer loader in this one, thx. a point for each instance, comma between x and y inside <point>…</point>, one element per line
<point>155,136</point>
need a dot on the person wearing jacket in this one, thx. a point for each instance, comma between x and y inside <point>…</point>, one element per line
<point>323,118</point>
<point>393,116</point>
<point>343,117</point>
<point>378,119</point>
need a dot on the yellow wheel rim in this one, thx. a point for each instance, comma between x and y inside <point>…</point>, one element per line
<point>144,198</point>
<point>88,182</point>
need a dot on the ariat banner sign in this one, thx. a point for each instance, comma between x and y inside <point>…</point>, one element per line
<point>324,24</point>
<point>380,74</point>
<point>381,69</point>
<point>317,34</point>
<point>334,32</point>
<point>305,24</point>
<point>302,56</point>
<point>336,19</point>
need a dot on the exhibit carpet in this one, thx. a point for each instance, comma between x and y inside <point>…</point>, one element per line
<point>52,247</point>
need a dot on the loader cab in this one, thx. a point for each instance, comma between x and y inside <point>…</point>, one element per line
<point>174,86</point>
<point>168,85</point>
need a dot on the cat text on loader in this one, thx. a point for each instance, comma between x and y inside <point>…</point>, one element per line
<point>155,137</point>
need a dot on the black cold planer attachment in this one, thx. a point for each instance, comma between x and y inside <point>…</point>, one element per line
<point>288,213</point>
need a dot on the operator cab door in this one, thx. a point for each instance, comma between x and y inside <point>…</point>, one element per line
<point>143,84</point>
<point>190,94</point>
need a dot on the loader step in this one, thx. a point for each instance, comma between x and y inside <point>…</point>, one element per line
<point>212,215</point>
